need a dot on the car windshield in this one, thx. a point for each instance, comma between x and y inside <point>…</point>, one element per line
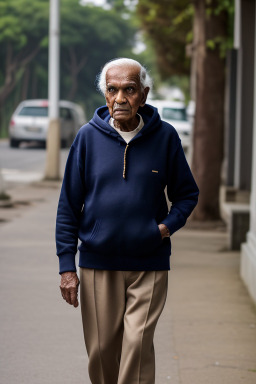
<point>34,111</point>
<point>178,114</point>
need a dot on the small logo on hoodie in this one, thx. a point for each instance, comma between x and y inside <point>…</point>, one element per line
<point>154,171</point>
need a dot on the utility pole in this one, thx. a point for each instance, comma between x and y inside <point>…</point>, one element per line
<point>53,139</point>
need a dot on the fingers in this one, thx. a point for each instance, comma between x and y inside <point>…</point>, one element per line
<point>70,295</point>
<point>73,298</point>
<point>69,288</point>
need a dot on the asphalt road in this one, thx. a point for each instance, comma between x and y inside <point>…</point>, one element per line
<point>24,164</point>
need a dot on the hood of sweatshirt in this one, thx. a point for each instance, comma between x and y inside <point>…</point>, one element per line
<point>149,115</point>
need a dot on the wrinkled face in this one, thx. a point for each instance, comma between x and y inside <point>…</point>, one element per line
<point>123,92</point>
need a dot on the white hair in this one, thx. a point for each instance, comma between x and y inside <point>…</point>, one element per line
<point>145,79</point>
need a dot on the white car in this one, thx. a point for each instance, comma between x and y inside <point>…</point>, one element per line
<point>30,122</point>
<point>174,113</point>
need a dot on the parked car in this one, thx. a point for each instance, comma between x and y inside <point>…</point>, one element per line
<point>174,112</point>
<point>30,121</point>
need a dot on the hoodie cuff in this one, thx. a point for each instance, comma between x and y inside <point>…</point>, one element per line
<point>67,263</point>
<point>174,222</point>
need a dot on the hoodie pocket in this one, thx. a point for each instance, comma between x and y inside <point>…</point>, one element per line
<point>103,237</point>
<point>136,239</point>
<point>143,239</point>
<point>95,230</point>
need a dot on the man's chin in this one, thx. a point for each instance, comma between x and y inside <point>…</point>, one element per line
<point>121,118</point>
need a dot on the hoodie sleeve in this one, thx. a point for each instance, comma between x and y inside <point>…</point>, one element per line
<point>69,211</point>
<point>182,190</point>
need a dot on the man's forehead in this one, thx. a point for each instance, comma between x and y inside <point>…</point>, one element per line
<point>123,73</point>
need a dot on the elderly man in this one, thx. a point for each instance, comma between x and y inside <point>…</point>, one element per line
<point>113,200</point>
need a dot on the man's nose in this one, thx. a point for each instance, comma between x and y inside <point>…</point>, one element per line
<point>120,97</point>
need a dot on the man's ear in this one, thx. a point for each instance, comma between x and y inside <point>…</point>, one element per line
<point>144,96</point>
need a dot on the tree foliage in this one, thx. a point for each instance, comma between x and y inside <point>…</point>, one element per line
<point>217,9</point>
<point>23,28</point>
<point>169,26</point>
<point>90,36</point>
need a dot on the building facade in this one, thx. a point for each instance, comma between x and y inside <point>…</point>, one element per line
<point>240,160</point>
<point>248,252</point>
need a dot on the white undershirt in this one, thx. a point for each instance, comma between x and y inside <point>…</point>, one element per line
<point>128,136</point>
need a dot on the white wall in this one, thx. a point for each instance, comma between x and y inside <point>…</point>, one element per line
<point>248,255</point>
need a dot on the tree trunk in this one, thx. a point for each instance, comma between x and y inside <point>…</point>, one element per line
<point>34,84</point>
<point>75,66</point>
<point>25,84</point>
<point>209,118</point>
<point>12,66</point>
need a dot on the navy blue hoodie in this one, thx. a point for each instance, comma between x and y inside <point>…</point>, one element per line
<point>113,196</point>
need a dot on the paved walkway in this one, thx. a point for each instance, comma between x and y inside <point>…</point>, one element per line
<point>206,335</point>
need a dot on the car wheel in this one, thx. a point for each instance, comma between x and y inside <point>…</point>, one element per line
<point>14,143</point>
<point>63,143</point>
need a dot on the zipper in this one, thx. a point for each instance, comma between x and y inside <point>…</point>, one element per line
<point>124,168</point>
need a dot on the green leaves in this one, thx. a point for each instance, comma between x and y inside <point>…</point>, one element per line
<point>22,20</point>
<point>89,36</point>
<point>220,10</point>
<point>168,24</point>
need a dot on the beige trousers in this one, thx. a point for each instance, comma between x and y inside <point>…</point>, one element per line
<point>120,310</point>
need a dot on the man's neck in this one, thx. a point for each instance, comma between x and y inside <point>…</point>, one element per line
<point>127,126</point>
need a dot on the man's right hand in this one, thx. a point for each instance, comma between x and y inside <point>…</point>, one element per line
<point>69,287</point>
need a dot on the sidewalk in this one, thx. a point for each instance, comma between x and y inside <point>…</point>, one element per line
<point>206,335</point>
<point>213,320</point>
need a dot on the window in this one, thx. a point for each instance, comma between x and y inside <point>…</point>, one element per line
<point>65,113</point>
<point>178,114</point>
<point>34,111</point>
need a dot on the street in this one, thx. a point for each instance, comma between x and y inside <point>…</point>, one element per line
<point>25,164</point>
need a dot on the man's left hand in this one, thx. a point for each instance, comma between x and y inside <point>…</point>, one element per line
<point>164,230</point>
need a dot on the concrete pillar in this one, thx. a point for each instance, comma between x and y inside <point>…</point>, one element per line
<point>244,109</point>
<point>248,256</point>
